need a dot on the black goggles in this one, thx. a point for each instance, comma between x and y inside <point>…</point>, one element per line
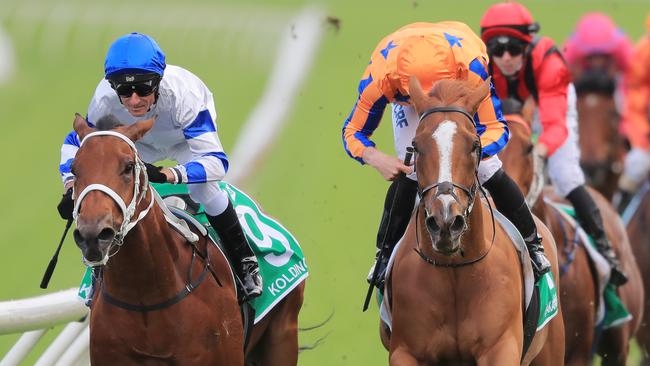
<point>143,88</point>
<point>498,47</point>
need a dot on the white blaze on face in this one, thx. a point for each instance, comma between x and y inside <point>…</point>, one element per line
<point>444,135</point>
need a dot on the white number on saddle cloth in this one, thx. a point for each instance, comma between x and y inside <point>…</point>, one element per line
<point>268,234</point>
<point>266,241</point>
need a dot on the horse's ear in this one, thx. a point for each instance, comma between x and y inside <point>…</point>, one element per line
<point>418,98</point>
<point>138,129</point>
<point>481,92</point>
<point>80,125</point>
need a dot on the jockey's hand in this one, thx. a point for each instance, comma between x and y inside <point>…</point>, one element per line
<point>66,205</point>
<point>155,174</point>
<point>390,167</point>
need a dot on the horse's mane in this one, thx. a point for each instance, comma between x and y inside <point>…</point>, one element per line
<point>108,122</point>
<point>451,91</point>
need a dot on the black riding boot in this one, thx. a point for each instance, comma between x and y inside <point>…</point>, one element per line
<point>240,253</point>
<point>589,217</point>
<point>398,207</point>
<point>511,203</point>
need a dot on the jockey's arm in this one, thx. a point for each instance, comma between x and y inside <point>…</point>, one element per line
<point>68,152</point>
<point>553,81</point>
<point>490,124</point>
<point>359,127</point>
<point>209,161</point>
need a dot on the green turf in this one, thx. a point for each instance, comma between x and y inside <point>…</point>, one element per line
<point>330,202</point>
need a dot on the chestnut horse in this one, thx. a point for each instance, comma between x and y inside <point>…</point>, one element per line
<point>637,220</point>
<point>460,298</point>
<point>166,296</point>
<point>577,284</point>
<point>601,144</point>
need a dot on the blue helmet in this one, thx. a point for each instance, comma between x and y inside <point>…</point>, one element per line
<point>134,53</point>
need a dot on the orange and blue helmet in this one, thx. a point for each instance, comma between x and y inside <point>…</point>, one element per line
<point>508,19</point>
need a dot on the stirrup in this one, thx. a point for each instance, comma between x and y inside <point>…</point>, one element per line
<point>541,264</point>
<point>250,277</point>
<point>617,277</point>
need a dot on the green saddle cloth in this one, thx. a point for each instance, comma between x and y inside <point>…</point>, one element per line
<point>615,312</point>
<point>282,263</point>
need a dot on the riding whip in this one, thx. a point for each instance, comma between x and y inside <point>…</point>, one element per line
<point>382,252</point>
<point>50,267</point>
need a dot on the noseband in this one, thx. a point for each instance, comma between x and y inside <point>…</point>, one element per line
<point>127,211</point>
<point>447,187</point>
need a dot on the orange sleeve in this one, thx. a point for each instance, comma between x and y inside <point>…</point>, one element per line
<point>635,122</point>
<point>365,117</point>
<point>488,120</point>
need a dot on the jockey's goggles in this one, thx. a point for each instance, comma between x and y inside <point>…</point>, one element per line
<point>498,46</point>
<point>143,85</point>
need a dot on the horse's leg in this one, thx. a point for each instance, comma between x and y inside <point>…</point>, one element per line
<point>577,302</point>
<point>552,353</point>
<point>505,352</point>
<point>278,345</point>
<point>614,347</point>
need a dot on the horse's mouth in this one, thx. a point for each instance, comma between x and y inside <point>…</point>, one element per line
<point>95,252</point>
<point>446,246</point>
<point>93,256</point>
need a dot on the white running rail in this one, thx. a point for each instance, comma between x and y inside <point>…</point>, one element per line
<point>34,316</point>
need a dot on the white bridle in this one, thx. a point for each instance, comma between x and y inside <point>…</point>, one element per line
<point>127,211</point>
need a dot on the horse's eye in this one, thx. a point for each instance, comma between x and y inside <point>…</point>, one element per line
<point>529,149</point>
<point>129,168</point>
<point>475,146</point>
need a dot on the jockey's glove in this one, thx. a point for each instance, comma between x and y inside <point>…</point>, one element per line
<point>154,174</point>
<point>66,205</point>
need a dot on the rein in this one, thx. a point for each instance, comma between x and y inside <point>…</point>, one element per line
<point>189,286</point>
<point>447,187</point>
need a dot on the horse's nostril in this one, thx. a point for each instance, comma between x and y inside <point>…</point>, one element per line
<point>458,224</point>
<point>78,238</point>
<point>432,225</point>
<point>106,234</point>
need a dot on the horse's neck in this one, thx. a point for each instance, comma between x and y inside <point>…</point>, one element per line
<point>539,208</point>
<point>146,263</point>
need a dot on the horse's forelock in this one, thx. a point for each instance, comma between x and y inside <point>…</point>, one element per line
<point>450,92</point>
<point>108,122</point>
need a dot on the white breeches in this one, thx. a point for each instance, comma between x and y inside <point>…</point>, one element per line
<point>213,199</point>
<point>564,165</point>
<point>636,168</point>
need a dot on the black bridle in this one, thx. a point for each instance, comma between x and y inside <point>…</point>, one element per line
<point>447,187</point>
